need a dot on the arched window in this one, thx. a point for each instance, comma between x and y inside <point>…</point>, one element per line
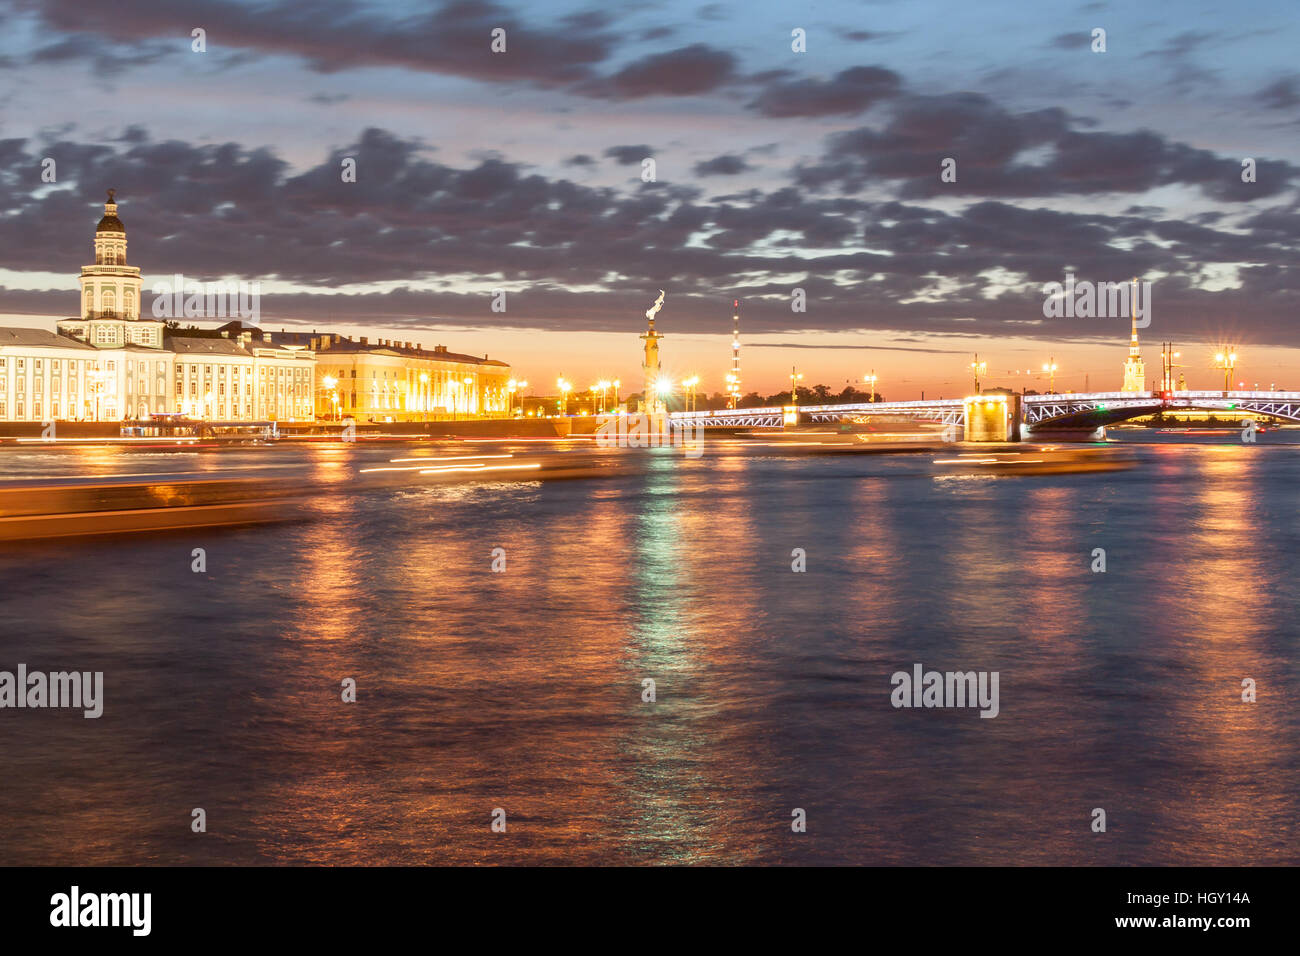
<point>109,300</point>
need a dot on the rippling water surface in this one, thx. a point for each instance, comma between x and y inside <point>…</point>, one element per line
<point>522,690</point>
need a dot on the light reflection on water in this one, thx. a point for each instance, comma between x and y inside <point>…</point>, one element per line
<point>523,690</point>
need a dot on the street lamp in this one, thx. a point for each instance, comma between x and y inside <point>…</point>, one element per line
<point>328,382</point>
<point>1226,361</point>
<point>513,386</point>
<point>1050,369</point>
<point>663,388</point>
<point>564,387</point>
<point>978,368</point>
<point>871,380</point>
<point>603,387</point>
<point>98,379</point>
<point>1167,356</point>
<point>795,379</point>
<point>689,385</point>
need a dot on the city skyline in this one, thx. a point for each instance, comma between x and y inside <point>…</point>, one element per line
<point>775,170</point>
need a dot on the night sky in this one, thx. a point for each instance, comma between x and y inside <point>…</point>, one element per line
<point>774,170</point>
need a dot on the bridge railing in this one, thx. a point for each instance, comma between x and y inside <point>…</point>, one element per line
<point>1155,396</point>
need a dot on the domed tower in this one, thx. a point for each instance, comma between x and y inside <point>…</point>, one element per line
<point>110,293</point>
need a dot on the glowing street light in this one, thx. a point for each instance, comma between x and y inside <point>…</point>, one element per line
<point>1050,369</point>
<point>1226,361</point>
<point>979,368</point>
<point>603,387</point>
<point>513,386</point>
<point>795,378</point>
<point>689,386</point>
<point>564,387</point>
<point>871,380</point>
<point>329,382</point>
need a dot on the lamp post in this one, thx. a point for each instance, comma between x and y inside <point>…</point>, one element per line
<point>871,381</point>
<point>469,393</point>
<point>689,385</point>
<point>327,385</point>
<point>795,378</point>
<point>978,368</point>
<point>564,387</point>
<point>1226,361</point>
<point>98,377</point>
<point>513,386</point>
<point>1167,356</point>
<point>1050,369</point>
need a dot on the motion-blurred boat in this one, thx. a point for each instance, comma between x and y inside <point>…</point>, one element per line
<point>31,510</point>
<point>1045,460</point>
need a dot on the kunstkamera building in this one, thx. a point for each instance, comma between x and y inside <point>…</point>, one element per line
<point>113,364</point>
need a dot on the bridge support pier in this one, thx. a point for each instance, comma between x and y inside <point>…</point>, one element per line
<point>992,417</point>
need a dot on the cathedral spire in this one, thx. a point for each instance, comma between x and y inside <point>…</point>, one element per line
<point>1133,350</point>
<point>1135,377</point>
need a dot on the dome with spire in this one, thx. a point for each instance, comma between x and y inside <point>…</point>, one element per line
<point>110,222</point>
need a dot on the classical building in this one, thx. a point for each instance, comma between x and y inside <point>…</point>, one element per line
<point>391,381</point>
<point>111,364</point>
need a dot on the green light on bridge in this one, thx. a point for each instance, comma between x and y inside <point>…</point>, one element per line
<point>1101,408</point>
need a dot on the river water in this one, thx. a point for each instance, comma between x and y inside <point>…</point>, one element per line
<point>522,690</point>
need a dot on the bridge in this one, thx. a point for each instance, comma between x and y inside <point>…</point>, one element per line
<point>1004,416</point>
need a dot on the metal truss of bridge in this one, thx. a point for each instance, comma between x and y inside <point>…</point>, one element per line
<point>1104,408</point>
<point>942,411</point>
<point>1038,412</point>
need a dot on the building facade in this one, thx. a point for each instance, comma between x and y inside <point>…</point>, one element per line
<point>110,364</point>
<point>391,381</point>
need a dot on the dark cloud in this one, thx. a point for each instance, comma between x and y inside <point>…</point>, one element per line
<point>333,35</point>
<point>1076,40</point>
<point>582,159</point>
<point>105,59</point>
<point>1282,94</point>
<point>628,155</point>
<point>231,209</point>
<point>989,146</point>
<point>726,165</point>
<point>688,71</point>
<point>849,92</point>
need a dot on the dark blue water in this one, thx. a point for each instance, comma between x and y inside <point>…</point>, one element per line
<point>522,690</point>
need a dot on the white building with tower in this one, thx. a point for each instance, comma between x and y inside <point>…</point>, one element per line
<point>112,364</point>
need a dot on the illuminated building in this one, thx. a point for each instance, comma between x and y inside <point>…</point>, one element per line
<point>1135,379</point>
<point>391,381</point>
<point>109,364</point>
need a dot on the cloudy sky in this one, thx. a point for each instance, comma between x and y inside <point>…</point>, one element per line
<point>774,170</point>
